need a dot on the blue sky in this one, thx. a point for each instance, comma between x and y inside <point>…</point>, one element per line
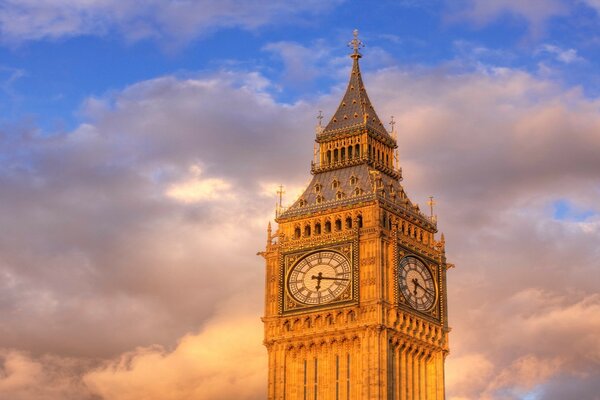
<point>46,79</point>
<point>142,142</point>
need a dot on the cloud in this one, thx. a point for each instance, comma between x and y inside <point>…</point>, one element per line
<point>225,360</point>
<point>23,377</point>
<point>107,224</point>
<point>92,241</point>
<point>196,189</point>
<point>566,56</point>
<point>535,13</point>
<point>27,20</point>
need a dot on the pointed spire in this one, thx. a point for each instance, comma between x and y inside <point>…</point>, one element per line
<point>355,111</point>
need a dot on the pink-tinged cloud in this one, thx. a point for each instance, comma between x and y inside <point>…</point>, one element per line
<point>114,285</point>
<point>535,12</point>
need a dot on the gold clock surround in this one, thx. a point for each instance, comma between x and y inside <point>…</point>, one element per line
<point>289,304</point>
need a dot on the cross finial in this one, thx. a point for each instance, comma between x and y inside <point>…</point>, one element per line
<point>356,44</point>
<point>431,203</point>
<point>279,206</point>
<point>392,122</point>
<point>320,117</point>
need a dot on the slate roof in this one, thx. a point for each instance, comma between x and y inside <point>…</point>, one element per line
<point>346,186</point>
<point>355,110</point>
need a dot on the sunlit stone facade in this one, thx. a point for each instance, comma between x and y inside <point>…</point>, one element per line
<point>355,299</point>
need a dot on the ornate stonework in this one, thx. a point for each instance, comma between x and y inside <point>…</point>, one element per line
<point>355,301</point>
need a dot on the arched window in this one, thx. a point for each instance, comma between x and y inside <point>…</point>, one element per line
<point>359,221</point>
<point>338,224</point>
<point>327,226</point>
<point>348,223</point>
<point>343,153</point>
<point>328,156</point>
<point>297,232</point>
<point>335,155</point>
<point>318,228</point>
<point>357,151</point>
<point>307,230</point>
<point>349,152</point>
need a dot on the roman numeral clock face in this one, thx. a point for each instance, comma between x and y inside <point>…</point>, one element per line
<point>417,284</point>
<point>319,278</point>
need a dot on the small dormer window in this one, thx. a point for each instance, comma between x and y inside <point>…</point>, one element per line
<point>318,188</point>
<point>357,191</point>
<point>319,199</point>
<point>301,202</point>
<point>339,195</point>
<point>353,180</point>
<point>335,184</point>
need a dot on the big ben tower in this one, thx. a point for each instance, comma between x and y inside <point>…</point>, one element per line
<point>355,302</point>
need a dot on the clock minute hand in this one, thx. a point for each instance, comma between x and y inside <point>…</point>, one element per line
<point>334,279</point>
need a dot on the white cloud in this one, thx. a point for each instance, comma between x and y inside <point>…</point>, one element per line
<point>196,189</point>
<point>23,20</point>
<point>566,56</point>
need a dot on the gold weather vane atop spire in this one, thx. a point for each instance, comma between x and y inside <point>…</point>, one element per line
<point>356,44</point>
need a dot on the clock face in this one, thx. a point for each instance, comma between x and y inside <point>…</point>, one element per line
<point>416,283</point>
<point>319,278</point>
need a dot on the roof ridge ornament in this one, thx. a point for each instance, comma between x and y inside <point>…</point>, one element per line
<point>356,44</point>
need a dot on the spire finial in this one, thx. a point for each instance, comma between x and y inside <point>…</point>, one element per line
<point>320,117</point>
<point>392,122</point>
<point>432,203</point>
<point>279,206</point>
<point>356,44</point>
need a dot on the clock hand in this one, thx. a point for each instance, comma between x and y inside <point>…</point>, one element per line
<point>334,279</point>
<point>318,278</point>
<point>416,283</point>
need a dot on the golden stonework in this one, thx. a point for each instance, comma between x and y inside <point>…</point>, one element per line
<point>355,297</point>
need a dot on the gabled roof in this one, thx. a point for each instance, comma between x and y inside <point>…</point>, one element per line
<point>355,111</point>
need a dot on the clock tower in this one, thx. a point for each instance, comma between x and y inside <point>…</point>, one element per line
<point>355,297</point>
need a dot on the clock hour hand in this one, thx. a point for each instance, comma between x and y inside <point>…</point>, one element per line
<point>318,277</point>
<point>417,284</point>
